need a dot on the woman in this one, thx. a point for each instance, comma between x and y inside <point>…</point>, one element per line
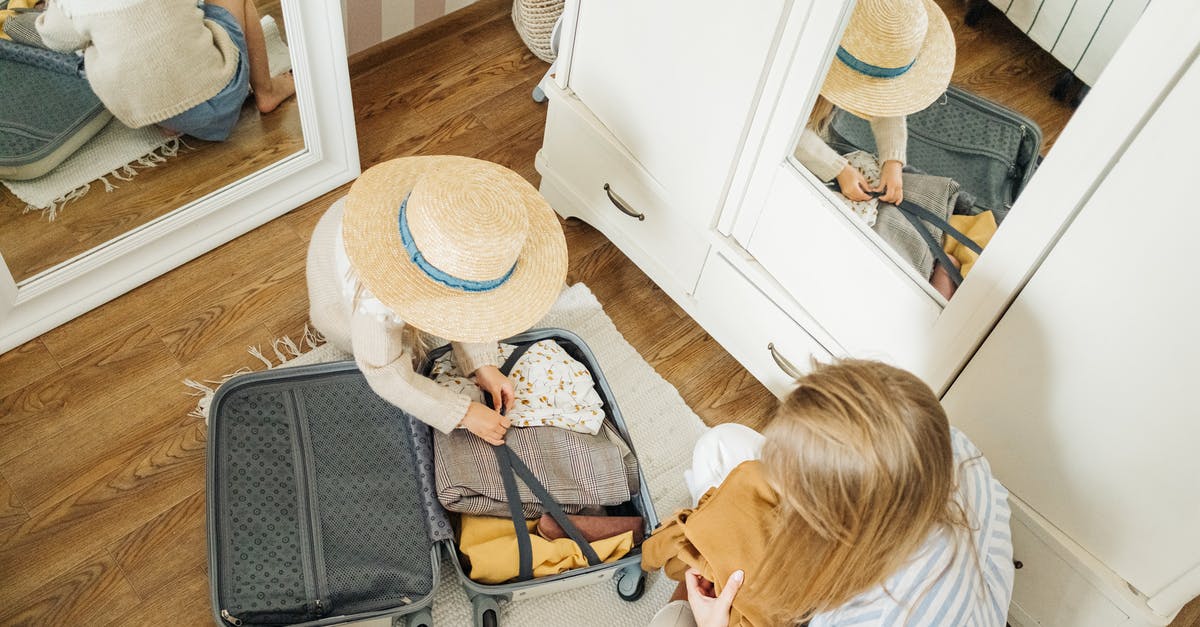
<point>451,247</point>
<point>859,504</point>
<point>895,58</point>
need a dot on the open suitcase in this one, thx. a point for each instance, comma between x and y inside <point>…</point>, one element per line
<point>991,150</point>
<point>322,510</point>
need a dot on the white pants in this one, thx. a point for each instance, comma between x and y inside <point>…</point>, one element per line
<point>717,453</point>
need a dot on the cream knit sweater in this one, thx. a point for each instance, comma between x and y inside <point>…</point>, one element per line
<point>147,60</point>
<point>891,142</point>
<point>375,339</point>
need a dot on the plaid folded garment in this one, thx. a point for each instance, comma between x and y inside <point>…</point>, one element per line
<point>579,470</point>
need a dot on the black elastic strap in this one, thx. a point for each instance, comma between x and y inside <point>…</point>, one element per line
<point>934,247</point>
<point>552,507</point>
<point>915,213</point>
<point>524,544</point>
<point>511,467</point>
<point>940,222</point>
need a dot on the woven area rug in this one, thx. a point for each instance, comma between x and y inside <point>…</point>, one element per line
<point>664,431</point>
<point>117,152</point>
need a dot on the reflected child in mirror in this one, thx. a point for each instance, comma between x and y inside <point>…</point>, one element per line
<point>185,65</point>
<point>895,58</point>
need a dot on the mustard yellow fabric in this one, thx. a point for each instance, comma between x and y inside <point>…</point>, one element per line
<point>980,228</point>
<point>490,544</point>
<point>9,12</point>
<point>724,533</point>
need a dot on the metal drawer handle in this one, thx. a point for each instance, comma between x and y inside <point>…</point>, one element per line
<point>786,366</point>
<point>620,204</point>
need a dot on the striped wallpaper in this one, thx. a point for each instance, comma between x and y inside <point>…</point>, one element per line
<point>369,22</point>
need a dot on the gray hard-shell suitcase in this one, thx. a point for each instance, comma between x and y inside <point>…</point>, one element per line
<point>992,151</point>
<point>322,511</point>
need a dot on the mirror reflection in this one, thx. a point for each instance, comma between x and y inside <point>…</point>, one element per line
<point>110,119</point>
<point>934,116</point>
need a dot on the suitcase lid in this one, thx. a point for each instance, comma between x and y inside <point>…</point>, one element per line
<point>318,500</point>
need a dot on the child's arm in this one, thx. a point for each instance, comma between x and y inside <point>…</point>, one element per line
<point>58,32</point>
<point>824,162</point>
<point>891,140</point>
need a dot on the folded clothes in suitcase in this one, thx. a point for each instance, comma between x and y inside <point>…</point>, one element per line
<point>321,505</point>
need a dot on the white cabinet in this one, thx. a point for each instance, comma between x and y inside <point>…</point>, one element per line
<point>670,129</point>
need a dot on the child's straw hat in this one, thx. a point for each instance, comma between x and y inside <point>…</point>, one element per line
<point>895,58</point>
<point>460,248</point>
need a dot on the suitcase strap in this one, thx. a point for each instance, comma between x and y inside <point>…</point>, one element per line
<point>512,467</point>
<point>915,213</point>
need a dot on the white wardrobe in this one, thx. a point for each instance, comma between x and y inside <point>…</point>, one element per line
<point>1067,355</point>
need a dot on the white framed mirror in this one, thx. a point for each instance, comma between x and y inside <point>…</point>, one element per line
<point>866,298</point>
<point>193,216</point>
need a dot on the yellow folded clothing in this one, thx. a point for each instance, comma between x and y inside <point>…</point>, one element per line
<point>490,543</point>
<point>980,228</point>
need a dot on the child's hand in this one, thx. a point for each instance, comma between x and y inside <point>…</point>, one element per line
<point>491,380</point>
<point>486,423</point>
<point>853,185</point>
<point>891,182</point>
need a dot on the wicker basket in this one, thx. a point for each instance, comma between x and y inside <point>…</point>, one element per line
<point>534,20</point>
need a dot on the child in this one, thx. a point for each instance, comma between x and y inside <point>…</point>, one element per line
<point>895,58</point>
<point>454,247</point>
<point>183,65</point>
<point>858,504</point>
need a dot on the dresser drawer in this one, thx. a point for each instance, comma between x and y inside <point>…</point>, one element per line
<point>587,174</point>
<point>760,335</point>
<point>1048,591</point>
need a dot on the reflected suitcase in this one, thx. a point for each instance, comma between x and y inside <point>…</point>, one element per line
<point>992,151</point>
<point>321,504</point>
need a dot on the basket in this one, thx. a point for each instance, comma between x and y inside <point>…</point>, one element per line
<point>534,20</point>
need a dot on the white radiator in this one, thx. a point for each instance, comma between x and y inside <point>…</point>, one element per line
<point>1081,34</point>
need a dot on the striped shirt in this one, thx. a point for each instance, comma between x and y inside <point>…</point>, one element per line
<point>942,585</point>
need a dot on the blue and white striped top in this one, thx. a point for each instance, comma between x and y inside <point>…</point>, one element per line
<point>942,586</point>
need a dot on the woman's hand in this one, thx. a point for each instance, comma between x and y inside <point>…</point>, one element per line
<point>853,185</point>
<point>486,423</point>
<point>891,182</point>
<point>491,380</point>
<point>709,609</point>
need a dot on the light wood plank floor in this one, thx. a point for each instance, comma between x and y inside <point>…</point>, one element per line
<point>101,469</point>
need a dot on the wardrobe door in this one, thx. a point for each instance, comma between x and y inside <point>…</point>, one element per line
<point>1084,395</point>
<point>674,81</point>
<point>855,286</point>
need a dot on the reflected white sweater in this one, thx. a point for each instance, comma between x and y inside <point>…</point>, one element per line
<point>891,143</point>
<point>373,334</point>
<point>147,60</point>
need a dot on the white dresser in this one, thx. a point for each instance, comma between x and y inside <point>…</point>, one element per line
<point>670,129</point>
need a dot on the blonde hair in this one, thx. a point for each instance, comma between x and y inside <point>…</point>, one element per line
<point>821,116</point>
<point>860,455</point>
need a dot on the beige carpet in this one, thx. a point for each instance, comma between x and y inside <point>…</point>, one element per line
<point>664,431</point>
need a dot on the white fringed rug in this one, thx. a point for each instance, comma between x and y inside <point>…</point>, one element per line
<point>664,432</point>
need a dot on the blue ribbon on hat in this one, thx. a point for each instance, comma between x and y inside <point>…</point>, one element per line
<point>874,71</point>
<point>437,274</point>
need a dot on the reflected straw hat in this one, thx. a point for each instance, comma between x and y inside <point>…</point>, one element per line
<point>464,249</point>
<point>895,58</point>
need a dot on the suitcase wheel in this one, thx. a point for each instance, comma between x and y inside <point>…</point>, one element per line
<point>486,611</point>
<point>631,583</point>
<point>420,618</point>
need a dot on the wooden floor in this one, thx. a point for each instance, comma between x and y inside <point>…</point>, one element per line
<point>30,243</point>
<point>101,468</point>
<point>997,61</point>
